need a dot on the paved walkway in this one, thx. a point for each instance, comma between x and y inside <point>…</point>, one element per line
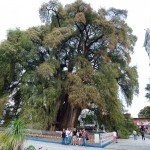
<point>123,144</point>
<point>130,144</point>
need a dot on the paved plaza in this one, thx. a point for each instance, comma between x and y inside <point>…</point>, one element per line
<point>123,144</point>
<point>130,144</point>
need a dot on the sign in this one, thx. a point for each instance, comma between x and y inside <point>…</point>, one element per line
<point>96,138</point>
<point>143,123</point>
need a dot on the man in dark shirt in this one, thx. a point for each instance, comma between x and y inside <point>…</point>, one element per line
<point>142,134</point>
<point>63,135</point>
<point>74,136</point>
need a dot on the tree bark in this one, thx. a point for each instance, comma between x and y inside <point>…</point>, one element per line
<point>67,115</point>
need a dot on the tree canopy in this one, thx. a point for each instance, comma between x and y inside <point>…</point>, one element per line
<point>148,91</point>
<point>80,56</point>
<point>145,112</point>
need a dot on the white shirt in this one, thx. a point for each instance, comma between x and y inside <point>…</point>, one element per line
<point>67,133</point>
<point>115,134</point>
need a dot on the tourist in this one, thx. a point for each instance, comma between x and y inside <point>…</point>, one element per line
<point>80,138</point>
<point>67,136</point>
<point>115,136</point>
<point>143,134</point>
<point>74,137</point>
<point>63,137</point>
<point>84,136</point>
<point>135,134</point>
<point>70,136</point>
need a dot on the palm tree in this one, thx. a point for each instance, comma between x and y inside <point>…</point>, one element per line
<point>13,136</point>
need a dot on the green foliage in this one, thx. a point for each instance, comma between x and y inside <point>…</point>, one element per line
<point>145,112</point>
<point>148,91</point>
<point>129,125</point>
<point>40,110</point>
<point>13,135</point>
<point>78,57</point>
<point>3,101</point>
<point>89,119</point>
<point>31,148</point>
<point>49,10</point>
<point>123,133</point>
<point>108,89</point>
<point>46,70</point>
<point>126,128</point>
<point>57,36</point>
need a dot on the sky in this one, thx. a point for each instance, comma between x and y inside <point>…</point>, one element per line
<point>24,14</point>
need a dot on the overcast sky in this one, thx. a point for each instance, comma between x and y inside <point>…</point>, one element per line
<point>24,14</point>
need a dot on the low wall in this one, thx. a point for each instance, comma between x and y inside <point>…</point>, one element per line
<point>44,142</point>
<point>43,139</point>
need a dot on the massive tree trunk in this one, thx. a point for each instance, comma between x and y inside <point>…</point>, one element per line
<point>68,115</point>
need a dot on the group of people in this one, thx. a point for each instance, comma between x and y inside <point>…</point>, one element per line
<point>142,131</point>
<point>74,137</point>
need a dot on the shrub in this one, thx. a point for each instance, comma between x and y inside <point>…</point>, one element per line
<point>123,134</point>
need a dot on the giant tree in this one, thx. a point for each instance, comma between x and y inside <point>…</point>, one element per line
<point>77,58</point>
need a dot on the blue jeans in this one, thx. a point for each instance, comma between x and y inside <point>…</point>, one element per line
<point>84,141</point>
<point>143,137</point>
<point>70,139</point>
<point>64,141</point>
<point>67,140</point>
<point>135,137</point>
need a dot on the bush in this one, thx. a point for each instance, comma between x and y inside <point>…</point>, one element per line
<point>123,134</point>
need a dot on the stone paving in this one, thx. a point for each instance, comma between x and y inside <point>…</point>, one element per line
<point>130,144</point>
<point>123,144</point>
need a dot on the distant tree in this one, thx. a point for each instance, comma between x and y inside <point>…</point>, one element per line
<point>145,112</point>
<point>129,124</point>
<point>127,127</point>
<point>78,57</point>
<point>148,90</point>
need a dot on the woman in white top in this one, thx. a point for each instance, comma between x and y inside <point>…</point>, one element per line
<point>115,136</point>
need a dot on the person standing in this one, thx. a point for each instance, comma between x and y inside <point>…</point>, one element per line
<point>70,136</point>
<point>84,136</point>
<point>74,137</point>
<point>67,136</point>
<point>143,134</point>
<point>135,134</point>
<point>63,135</point>
<point>80,138</point>
<point>115,136</point>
